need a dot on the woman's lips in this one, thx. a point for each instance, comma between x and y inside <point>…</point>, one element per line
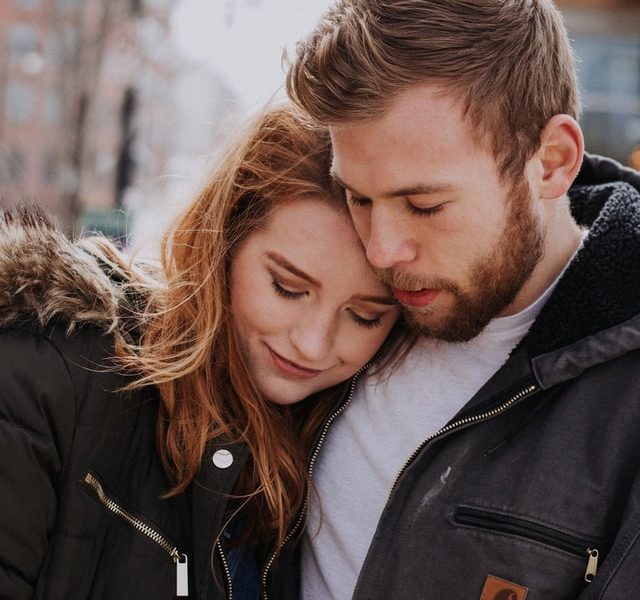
<point>290,368</point>
<point>416,298</point>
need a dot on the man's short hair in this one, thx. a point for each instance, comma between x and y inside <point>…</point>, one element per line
<point>508,61</point>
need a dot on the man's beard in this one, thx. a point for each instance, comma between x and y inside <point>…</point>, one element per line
<point>494,281</point>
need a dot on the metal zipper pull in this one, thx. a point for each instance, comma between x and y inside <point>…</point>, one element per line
<point>592,564</point>
<point>182,575</point>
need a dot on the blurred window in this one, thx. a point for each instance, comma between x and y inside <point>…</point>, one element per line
<point>70,42</point>
<point>52,107</point>
<point>62,45</point>
<point>12,166</point>
<point>22,40</point>
<point>55,47</point>
<point>159,5</point>
<point>4,168</point>
<point>609,74</point>
<point>609,65</point>
<point>50,167</point>
<point>20,102</point>
<point>67,5</point>
<point>27,4</point>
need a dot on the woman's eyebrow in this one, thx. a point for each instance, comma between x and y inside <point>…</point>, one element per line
<point>386,300</point>
<point>285,264</point>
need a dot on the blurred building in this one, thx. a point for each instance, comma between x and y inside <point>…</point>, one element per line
<point>606,39</point>
<point>206,113</point>
<point>100,119</point>
<point>85,97</point>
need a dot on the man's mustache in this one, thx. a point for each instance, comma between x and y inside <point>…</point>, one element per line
<point>406,281</point>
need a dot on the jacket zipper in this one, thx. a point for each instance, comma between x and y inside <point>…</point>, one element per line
<point>461,424</point>
<point>476,517</point>
<point>312,460</point>
<point>446,430</point>
<point>180,560</point>
<point>450,428</point>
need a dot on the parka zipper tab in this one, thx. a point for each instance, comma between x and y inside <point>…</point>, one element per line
<point>592,564</point>
<point>182,575</point>
<point>180,560</point>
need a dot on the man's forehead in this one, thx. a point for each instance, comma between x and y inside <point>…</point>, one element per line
<point>417,99</point>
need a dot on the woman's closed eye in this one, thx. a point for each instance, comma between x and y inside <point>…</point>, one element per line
<point>286,291</point>
<point>368,323</point>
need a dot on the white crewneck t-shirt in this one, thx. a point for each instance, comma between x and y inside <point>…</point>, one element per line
<point>387,419</point>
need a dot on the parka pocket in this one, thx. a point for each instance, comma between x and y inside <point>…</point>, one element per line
<point>531,530</point>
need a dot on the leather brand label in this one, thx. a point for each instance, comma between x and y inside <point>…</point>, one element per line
<point>501,589</point>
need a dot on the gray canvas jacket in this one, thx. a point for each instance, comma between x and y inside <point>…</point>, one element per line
<point>533,489</point>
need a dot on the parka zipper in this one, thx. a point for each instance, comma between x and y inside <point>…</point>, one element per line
<point>312,460</point>
<point>524,528</point>
<point>180,560</point>
<point>227,571</point>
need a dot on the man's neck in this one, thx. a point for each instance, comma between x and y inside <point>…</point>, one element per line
<point>562,240</point>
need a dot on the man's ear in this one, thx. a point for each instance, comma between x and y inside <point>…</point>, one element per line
<point>560,155</point>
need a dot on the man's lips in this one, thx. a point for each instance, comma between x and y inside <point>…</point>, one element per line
<point>416,298</point>
<point>290,368</point>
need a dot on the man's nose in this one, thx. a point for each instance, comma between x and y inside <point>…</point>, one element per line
<point>389,242</point>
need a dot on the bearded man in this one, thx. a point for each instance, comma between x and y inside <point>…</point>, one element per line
<point>501,452</point>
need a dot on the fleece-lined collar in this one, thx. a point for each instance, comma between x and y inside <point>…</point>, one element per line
<point>601,287</point>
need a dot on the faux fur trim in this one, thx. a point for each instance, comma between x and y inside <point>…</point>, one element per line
<point>45,277</point>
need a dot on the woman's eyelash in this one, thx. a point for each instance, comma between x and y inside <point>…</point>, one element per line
<point>283,291</point>
<point>368,323</point>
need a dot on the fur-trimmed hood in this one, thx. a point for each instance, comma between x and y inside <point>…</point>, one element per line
<point>45,277</point>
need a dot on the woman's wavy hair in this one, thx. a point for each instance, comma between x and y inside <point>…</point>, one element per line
<point>188,349</point>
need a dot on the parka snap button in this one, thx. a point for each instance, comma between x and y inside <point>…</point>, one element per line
<point>222,459</point>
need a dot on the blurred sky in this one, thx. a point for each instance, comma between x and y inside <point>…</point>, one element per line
<point>243,40</point>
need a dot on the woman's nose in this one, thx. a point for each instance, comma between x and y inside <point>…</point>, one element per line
<point>313,339</point>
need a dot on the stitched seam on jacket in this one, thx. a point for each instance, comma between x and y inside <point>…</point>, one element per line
<point>635,539</point>
<point>17,574</point>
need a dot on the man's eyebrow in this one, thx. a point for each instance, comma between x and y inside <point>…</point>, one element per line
<point>420,189</point>
<point>285,264</point>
